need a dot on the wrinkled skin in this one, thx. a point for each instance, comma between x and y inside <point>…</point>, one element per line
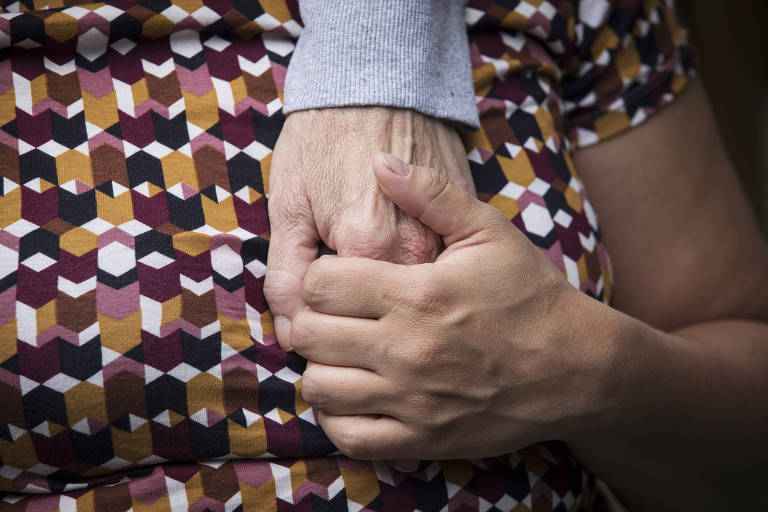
<point>322,188</point>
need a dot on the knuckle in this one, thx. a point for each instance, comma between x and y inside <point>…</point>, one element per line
<point>417,356</point>
<point>277,286</point>
<point>427,297</point>
<point>310,389</point>
<point>315,282</point>
<point>353,443</point>
<point>301,331</point>
<point>361,237</point>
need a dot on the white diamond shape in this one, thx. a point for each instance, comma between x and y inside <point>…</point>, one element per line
<point>116,258</point>
<point>539,186</point>
<point>157,150</point>
<point>226,262</point>
<point>61,382</point>
<point>156,260</point>
<point>257,268</point>
<point>28,44</point>
<point>257,150</point>
<point>184,372</point>
<point>563,218</point>
<point>186,43</point>
<point>206,16</point>
<point>98,226</point>
<point>537,220</point>
<point>53,148</point>
<point>92,44</point>
<point>217,43</point>
<point>38,262</point>
<point>123,46</point>
<point>9,261</point>
<point>175,13</point>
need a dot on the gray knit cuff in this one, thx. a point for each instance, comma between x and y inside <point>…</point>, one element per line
<point>399,53</point>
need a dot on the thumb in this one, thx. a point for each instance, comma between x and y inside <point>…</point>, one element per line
<point>431,197</point>
<point>292,248</point>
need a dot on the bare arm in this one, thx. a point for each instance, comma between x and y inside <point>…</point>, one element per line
<point>688,260</point>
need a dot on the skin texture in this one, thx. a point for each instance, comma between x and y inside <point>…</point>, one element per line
<point>663,397</point>
<point>321,191</point>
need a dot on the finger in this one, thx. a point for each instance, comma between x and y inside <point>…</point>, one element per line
<point>344,390</point>
<point>292,248</point>
<point>429,196</point>
<point>368,437</point>
<point>337,340</point>
<point>354,286</point>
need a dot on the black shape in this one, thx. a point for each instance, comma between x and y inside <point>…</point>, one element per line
<point>239,417</point>
<point>11,364</point>
<point>58,480</point>
<point>275,392</point>
<point>69,132</point>
<point>39,240</point>
<point>115,131</point>
<point>36,164</point>
<point>173,132</point>
<point>215,130</point>
<point>249,8</point>
<point>94,449</point>
<point>488,177</point>
<point>43,404</point>
<point>201,354</point>
<point>209,442</point>
<point>11,128</point>
<point>143,167</point>
<point>166,392</point>
<point>117,282</point>
<point>190,63</point>
<point>77,209</point>
<point>5,432</point>
<point>125,26</point>
<point>245,171</point>
<point>254,249</point>
<point>315,442</point>
<point>229,285</point>
<point>27,27</point>
<point>516,482</point>
<point>95,65</point>
<point>154,241</point>
<point>155,5</point>
<point>186,213</point>
<point>430,496</point>
<point>295,362</point>
<point>123,423</point>
<point>524,125</point>
<point>267,127</point>
<point>136,353</point>
<point>80,362</point>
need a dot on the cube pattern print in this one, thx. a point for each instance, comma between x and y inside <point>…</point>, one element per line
<point>138,364</point>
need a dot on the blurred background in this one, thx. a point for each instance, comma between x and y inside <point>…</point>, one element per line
<point>732,42</point>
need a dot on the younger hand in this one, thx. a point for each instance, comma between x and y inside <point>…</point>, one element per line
<point>322,188</point>
<point>473,355</point>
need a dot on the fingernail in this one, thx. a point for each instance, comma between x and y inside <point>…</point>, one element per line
<point>395,165</point>
<point>283,331</point>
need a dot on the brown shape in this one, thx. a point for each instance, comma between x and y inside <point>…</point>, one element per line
<point>322,470</point>
<point>170,229</point>
<point>165,90</point>
<point>241,390</point>
<point>141,13</point>
<point>211,168</point>
<point>261,88</point>
<point>108,164</point>
<point>497,129</point>
<point>116,497</point>
<point>58,226</point>
<point>594,270</point>
<point>198,310</point>
<point>9,163</point>
<point>124,393</point>
<point>76,313</point>
<point>64,89</point>
<point>220,484</point>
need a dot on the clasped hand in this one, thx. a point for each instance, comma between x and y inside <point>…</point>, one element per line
<point>474,355</point>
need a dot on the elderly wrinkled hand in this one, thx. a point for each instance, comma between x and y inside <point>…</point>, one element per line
<point>322,189</point>
<point>465,357</point>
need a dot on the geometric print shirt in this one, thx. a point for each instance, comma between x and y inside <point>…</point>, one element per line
<point>138,363</point>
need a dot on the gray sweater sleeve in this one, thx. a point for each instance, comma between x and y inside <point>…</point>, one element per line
<point>400,53</point>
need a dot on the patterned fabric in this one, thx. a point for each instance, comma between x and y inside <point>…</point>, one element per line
<point>138,364</point>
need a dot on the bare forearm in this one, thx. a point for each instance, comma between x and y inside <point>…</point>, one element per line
<point>689,433</point>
